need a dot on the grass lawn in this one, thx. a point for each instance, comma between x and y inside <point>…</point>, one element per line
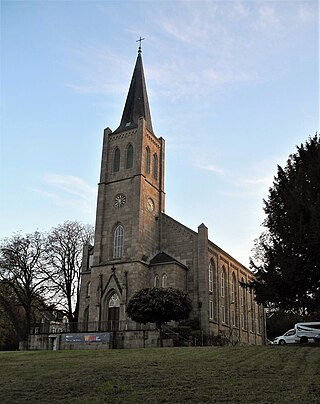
<point>271,374</point>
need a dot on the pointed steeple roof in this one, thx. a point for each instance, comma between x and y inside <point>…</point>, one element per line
<point>137,104</point>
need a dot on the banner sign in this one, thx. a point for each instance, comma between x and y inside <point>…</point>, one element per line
<point>85,337</point>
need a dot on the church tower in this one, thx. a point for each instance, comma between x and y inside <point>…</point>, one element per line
<point>129,206</point>
<point>137,245</point>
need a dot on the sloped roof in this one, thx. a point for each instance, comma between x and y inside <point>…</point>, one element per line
<point>163,258</point>
<point>137,104</point>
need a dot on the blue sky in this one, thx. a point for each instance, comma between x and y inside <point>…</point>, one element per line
<point>233,86</point>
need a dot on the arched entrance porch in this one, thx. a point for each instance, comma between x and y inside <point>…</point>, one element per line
<point>113,311</point>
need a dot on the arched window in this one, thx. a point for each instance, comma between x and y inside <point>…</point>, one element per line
<point>233,288</point>
<point>155,166</point>
<point>147,160</point>
<point>88,288</point>
<point>243,306</point>
<point>212,287</point>
<point>156,282</point>
<point>210,277</point>
<point>233,317</point>
<point>243,295</point>
<point>90,263</point>
<point>233,299</point>
<point>223,313</point>
<point>252,311</point>
<point>116,160</point>
<point>118,242</point>
<point>164,280</point>
<point>223,295</point>
<point>223,282</point>
<point>129,162</point>
<point>114,300</point>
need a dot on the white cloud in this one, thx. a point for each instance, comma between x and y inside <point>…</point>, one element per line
<point>254,182</point>
<point>69,192</point>
<point>216,77</point>
<point>196,25</point>
<point>72,185</point>
<point>255,188</point>
<point>192,23</point>
<point>267,16</point>
<point>97,70</point>
<point>210,168</point>
<point>206,45</point>
<point>240,9</point>
<point>175,81</point>
<point>306,13</point>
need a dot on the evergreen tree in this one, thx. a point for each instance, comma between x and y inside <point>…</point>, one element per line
<point>287,255</point>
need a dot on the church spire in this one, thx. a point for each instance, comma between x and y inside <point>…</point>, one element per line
<point>137,104</point>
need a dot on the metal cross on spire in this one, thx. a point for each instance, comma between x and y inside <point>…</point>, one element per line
<point>139,40</point>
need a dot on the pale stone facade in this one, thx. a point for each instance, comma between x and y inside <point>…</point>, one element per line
<point>137,245</point>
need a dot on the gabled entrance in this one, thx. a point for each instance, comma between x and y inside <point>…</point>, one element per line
<point>113,312</point>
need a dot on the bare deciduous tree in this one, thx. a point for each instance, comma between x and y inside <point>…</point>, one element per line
<point>65,244</point>
<point>22,259</point>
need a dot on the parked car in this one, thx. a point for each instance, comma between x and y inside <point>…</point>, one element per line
<point>287,338</point>
<point>317,338</point>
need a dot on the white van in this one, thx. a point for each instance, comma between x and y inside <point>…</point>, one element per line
<point>306,332</point>
<point>301,333</point>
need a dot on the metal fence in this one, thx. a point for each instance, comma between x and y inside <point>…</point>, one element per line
<point>94,326</point>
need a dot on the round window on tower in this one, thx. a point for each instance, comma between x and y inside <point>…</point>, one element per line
<point>150,205</point>
<point>119,200</point>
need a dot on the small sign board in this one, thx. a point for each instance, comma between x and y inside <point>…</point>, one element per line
<point>86,337</point>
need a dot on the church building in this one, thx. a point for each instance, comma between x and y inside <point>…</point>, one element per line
<point>137,245</point>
